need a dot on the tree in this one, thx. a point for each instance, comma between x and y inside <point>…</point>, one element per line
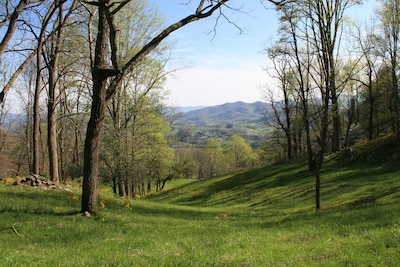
<point>366,46</point>
<point>106,80</point>
<point>51,57</point>
<point>134,108</point>
<point>40,38</point>
<point>281,62</point>
<point>135,150</point>
<point>389,15</point>
<point>211,159</point>
<point>239,151</point>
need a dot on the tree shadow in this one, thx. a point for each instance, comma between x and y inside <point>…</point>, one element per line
<point>39,211</point>
<point>29,201</point>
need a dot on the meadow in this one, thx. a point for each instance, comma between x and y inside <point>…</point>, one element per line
<point>264,217</point>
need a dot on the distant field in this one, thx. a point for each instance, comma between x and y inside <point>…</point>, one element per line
<point>265,217</point>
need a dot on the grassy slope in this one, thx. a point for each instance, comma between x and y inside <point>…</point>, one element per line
<point>264,217</point>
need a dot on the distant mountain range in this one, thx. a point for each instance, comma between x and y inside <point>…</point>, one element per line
<point>8,120</point>
<point>223,121</point>
<point>226,113</point>
<point>187,109</point>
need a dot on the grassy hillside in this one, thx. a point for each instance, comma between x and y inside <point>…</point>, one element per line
<point>264,217</point>
<point>291,186</point>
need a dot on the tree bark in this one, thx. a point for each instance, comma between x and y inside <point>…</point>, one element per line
<point>36,114</point>
<point>95,124</point>
<point>318,160</point>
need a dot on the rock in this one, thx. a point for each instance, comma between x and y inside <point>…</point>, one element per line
<point>37,181</point>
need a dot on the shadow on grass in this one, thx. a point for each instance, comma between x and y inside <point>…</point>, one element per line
<point>239,188</point>
<point>174,211</point>
<point>39,211</point>
<point>31,201</point>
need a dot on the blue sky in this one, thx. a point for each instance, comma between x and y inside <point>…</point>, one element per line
<point>227,66</point>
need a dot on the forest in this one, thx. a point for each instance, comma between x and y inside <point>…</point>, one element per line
<point>90,74</point>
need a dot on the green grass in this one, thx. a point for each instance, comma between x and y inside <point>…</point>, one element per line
<point>264,217</point>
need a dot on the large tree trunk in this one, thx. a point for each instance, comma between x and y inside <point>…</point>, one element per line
<point>52,141</point>
<point>51,117</point>
<point>36,115</point>
<point>98,109</point>
<point>92,145</point>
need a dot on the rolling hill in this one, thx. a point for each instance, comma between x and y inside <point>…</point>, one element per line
<point>228,113</point>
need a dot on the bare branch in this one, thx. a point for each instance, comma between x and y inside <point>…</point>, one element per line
<point>11,227</point>
<point>280,3</point>
<point>120,6</point>
<point>200,7</point>
<point>113,38</point>
<point>10,83</point>
<point>12,25</point>
<point>128,67</point>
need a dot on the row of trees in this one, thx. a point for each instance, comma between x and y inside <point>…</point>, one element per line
<point>158,162</point>
<point>338,81</point>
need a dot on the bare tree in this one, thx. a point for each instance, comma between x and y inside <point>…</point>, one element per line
<point>282,110</point>
<point>368,72</point>
<point>51,57</point>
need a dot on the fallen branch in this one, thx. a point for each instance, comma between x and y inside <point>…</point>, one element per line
<point>11,227</point>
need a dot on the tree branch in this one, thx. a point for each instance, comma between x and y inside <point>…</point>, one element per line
<point>129,66</point>
<point>120,6</point>
<point>11,227</point>
<point>12,25</point>
<point>113,39</point>
<point>10,83</point>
